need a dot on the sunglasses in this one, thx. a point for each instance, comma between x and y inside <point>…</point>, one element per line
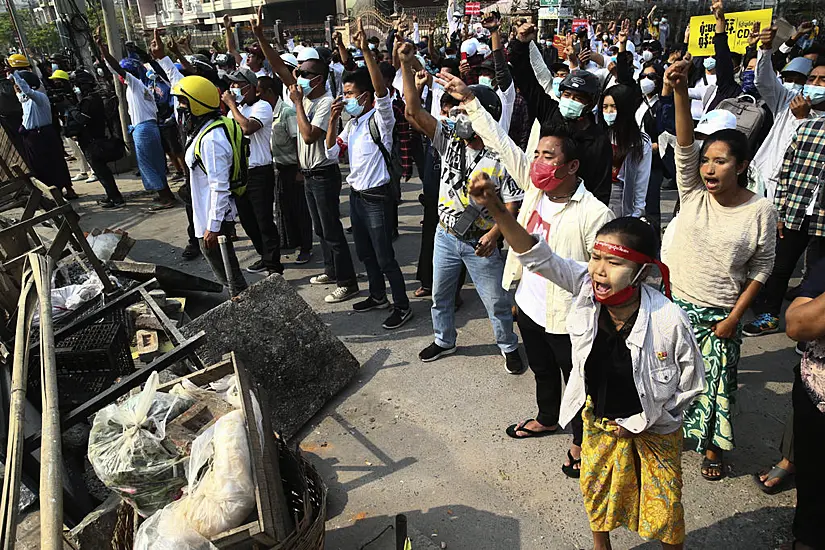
<point>306,74</point>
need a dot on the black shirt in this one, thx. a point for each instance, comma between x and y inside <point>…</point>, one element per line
<point>608,371</point>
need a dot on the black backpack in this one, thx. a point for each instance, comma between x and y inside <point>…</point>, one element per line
<point>76,121</point>
<point>392,161</point>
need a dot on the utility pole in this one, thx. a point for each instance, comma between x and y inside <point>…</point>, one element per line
<point>126,24</point>
<point>113,41</point>
<point>18,30</point>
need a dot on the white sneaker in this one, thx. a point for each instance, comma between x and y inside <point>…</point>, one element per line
<point>91,179</point>
<point>80,177</point>
<point>341,294</point>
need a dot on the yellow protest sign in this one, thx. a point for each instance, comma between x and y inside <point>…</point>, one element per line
<point>738,26</point>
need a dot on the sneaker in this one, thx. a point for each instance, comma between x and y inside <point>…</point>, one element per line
<point>111,205</point>
<point>91,179</point>
<point>433,352</point>
<point>342,294</point>
<point>397,318</point>
<point>303,257</point>
<point>801,348</point>
<point>257,267</point>
<point>371,303</point>
<point>163,205</point>
<point>513,363</point>
<point>80,177</point>
<point>191,251</point>
<point>322,279</point>
<point>763,324</point>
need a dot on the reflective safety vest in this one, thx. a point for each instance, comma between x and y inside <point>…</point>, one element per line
<point>240,152</point>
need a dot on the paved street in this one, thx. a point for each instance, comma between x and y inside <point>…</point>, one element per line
<point>428,440</point>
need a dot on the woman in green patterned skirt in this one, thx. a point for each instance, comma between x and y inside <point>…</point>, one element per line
<point>721,254</point>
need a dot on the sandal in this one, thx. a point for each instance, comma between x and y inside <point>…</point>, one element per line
<point>708,464</point>
<point>513,430</point>
<point>569,469</point>
<point>422,292</point>
<point>162,206</point>
<point>783,475</point>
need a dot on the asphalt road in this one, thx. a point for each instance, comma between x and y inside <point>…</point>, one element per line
<point>428,440</point>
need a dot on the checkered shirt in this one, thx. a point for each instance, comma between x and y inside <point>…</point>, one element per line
<point>803,169</point>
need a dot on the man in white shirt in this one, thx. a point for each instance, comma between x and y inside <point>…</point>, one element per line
<point>255,207</point>
<point>372,196</point>
<point>307,85</point>
<point>213,205</point>
<point>143,113</point>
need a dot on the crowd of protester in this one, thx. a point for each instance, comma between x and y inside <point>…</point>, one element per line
<point>558,146</point>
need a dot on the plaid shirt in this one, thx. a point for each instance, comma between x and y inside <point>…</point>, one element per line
<point>803,170</point>
<point>402,134</point>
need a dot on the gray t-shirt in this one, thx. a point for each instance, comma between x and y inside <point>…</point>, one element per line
<point>453,197</point>
<point>314,155</point>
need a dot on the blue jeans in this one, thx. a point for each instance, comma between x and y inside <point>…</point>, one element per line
<point>371,216</point>
<point>450,253</point>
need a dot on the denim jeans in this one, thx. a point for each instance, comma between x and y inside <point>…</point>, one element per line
<point>486,273</point>
<point>323,189</point>
<point>371,216</point>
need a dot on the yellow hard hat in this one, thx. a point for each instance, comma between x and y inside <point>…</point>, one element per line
<point>18,61</point>
<point>59,75</point>
<point>203,96</point>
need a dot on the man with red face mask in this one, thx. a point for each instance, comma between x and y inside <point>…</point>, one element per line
<point>558,207</point>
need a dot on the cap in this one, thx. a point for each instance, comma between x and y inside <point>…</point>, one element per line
<point>289,59</point>
<point>255,49</point>
<point>581,81</point>
<point>243,76</point>
<point>484,49</point>
<point>488,65</point>
<point>716,120</point>
<point>306,54</point>
<point>801,65</point>
<point>470,47</point>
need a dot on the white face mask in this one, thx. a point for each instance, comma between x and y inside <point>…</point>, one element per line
<point>794,88</point>
<point>485,81</point>
<point>647,85</point>
<point>647,55</point>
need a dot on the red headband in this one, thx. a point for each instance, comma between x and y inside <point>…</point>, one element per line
<point>637,257</point>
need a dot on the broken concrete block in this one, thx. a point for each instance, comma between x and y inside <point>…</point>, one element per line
<point>147,345</point>
<point>98,528</point>
<point>293,359</point>
<point>159,296</point>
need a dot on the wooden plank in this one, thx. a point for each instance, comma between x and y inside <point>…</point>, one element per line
<point>202,377</point>
<point>171,330</point>
<point>60,241</point>
<point>23,224</point>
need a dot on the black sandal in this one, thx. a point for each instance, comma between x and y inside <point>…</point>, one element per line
<point>708,464</point>
<point>569,469</point>
<point>783,475</point>
<point>513,430</point>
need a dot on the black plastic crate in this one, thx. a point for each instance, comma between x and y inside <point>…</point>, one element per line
<point>88,362</point>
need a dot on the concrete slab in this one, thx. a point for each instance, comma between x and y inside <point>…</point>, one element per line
<point>428,440</point>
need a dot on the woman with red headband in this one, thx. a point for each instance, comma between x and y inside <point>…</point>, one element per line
<point>721,255</point>
<point>636,369</point>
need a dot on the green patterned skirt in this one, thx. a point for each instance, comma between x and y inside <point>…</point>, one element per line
<point>709,420</point>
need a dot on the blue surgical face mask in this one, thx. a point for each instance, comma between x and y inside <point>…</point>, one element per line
<point>450,56</point>
<point>76,90</point>
<point>609,118</point>
<point>815,93</point>
<point>352,106</point>
<point>360,63</point>
<point>710,63</point>
<point>556,83</point>
<point>792,87</point>
<point>237,93</point>
<point>449,122</point>
<point>570,108</point>
<point>373,47</point>
<point>55,67</point>
<point>305,85</point>
<point>485,81</point>
<point>613,58</point>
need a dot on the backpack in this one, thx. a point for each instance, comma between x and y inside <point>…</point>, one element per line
<point>392,161</point>
<point>76,121</point>
<point>162,93</point>
<point>240,152</point>
<point>749,116</point>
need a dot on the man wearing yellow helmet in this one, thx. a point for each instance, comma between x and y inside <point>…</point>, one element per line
<point>209,156</point>
<point>18,61</point>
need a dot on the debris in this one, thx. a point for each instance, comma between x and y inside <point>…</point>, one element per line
<point>147,345</point>
<point>168,278</point>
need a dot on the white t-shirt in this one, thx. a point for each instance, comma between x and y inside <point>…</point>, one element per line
<point>259,143</point>
<point>140,100</point>
<point>261,72</point>
<point>531,294</point>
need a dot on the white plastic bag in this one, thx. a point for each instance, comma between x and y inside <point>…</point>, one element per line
<point>223,496</point>
<point>127,451</point>
<point>165,531</point>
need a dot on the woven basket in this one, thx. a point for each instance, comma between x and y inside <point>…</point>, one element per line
<point>307,498</point>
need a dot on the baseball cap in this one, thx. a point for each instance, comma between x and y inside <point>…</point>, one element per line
<point>801,65</point>
<point>243,76</point>
<point>470,47</point>
<point>307,54</point>
<point>716,120</point>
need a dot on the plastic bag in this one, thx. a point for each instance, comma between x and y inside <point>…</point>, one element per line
<point>68,298</point>
<point>223,496</point>
<point>165,531</point>
<point>128,451</point>
<point>104,245</point>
